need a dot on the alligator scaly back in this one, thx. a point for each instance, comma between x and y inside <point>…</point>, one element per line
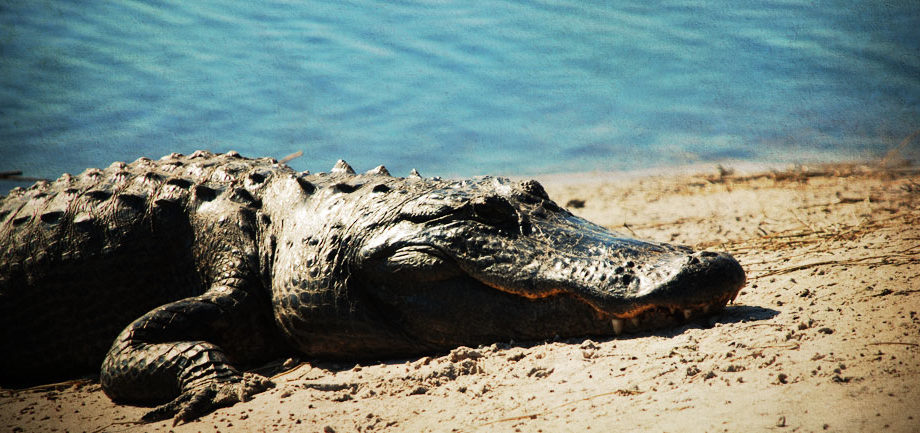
<point>83,256</point>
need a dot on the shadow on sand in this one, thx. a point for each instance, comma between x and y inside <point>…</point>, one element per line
<point>731,314</point>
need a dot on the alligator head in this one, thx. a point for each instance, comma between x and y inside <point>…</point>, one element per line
<point>436,264</point>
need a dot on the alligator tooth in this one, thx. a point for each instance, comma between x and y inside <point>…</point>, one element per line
<point>705,308</point>
<point>634,321</point>
<point>687,313</point>
<point>617,326</point>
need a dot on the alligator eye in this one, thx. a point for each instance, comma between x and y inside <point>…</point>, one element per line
<point>495,211</point>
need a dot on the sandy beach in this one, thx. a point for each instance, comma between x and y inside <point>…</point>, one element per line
<point>824,337</point>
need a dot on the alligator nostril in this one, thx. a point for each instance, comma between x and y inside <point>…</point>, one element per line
<point>693,260</point>
<point>534,188</point>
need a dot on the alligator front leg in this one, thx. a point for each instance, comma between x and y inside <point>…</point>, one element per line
<point>186,351</point>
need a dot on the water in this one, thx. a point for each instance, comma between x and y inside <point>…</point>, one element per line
<point>457,88</point>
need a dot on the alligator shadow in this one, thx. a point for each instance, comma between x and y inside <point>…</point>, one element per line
<point>743,313</point>
<point>731,314</point>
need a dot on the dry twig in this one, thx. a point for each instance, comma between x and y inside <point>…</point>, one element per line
<point>893,343</point>
<point>860,261</point>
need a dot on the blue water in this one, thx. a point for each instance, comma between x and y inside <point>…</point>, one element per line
<point>457,88</point>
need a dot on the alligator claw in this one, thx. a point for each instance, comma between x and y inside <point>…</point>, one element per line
<point>198,402</point>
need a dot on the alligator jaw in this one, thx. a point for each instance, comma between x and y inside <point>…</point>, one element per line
<point>644,318</point>
<point>691,289</point>
<point>664,316</point>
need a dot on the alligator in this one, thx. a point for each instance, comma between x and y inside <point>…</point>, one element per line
<point>172,277</point>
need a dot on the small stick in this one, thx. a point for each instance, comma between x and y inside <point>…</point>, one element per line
<point>294,155</point>
<point>16,175</point>
<point>893,342</point>
<point>623,392</point>
<point>781,346</point>
<point>630,230</point>
<point>858,261</point>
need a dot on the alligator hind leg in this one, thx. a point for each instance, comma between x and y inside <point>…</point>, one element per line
<point>185,351</point>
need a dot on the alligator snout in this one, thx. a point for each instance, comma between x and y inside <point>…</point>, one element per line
<point>695,285</point>
<point>706,276</point>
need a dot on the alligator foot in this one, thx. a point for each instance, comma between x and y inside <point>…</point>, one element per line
<point>197,402</point>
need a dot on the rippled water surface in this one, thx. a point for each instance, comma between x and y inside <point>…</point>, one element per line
<point>456,88</point>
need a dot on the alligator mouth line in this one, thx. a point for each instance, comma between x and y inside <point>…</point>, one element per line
<point>664,316</point>
<point>642,318</point>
